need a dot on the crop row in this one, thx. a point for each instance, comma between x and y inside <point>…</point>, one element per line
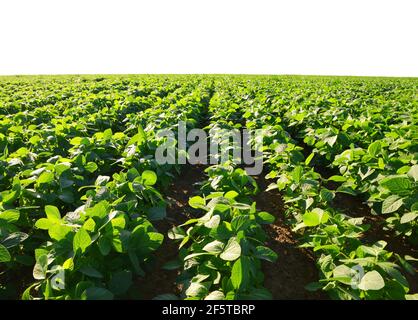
<point>221,250</point>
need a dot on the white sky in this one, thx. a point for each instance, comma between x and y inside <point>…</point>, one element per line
<point>340,37</point>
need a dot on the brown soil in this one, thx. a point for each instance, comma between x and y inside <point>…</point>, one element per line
<point>295,267</point>
<point>157,280</point>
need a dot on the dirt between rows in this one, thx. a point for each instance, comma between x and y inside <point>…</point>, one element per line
<point>157,280</point>
<point>295,267</point>
<point>285,279</point>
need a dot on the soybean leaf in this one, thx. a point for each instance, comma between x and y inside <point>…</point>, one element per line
<point>391,204</point>
<point>149,177</point>
<point>4,254</point>
<point>232,250</point>
<point>81,240</point>
<point>371,281</point>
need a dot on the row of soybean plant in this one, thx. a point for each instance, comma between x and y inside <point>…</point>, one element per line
<point>222,247</point>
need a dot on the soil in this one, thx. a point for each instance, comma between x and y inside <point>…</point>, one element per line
<point>157,280</point>
<point>295,267</point>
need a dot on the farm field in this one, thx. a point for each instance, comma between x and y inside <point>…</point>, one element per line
<point>87,212</point>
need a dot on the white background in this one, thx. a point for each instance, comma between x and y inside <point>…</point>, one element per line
<point>340,37</point>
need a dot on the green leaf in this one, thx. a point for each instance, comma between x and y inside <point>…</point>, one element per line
<point>91,167</point>
<point>10,196</point>
<point>120,282</point>
<point>99,210</point>
<point>10,216</point>
<point>326,195</point>
<point>409,216</point>
<point>172,265</point>
<point>337,178</point>
<point>91,272</point>
<point>196,289</point>
<point>374,148</point>
<point>59,232</point>
<point>314,286</point>
<point>67,196</point>
<point>413,172</point>
<point>14,239</point>
<point>155,240</point>
<point>45,177</point>
<point>240,222</point>
<point>101,180</point>
<point>149,177</point>
<point>331,140</point>
<point>232,250</point>
<point>347,190</point>
<point>240,273</point>
<point>96,293</point>
<point>213,222</point>
<point>257,294</point>
<point>26,294</point>
<point>62,167</point>
<point>265,217</point>
<point>391,204</point>
<point>89,225</point>
<point>4,254</point>
<point>214,247</point>
<point>157,213</point>
<point>41,267</point>
<point>309,159</point>
<point>371,281</point>
<point>315,217</point>
<point>197,202</point>
<point>231,195</point>
<point>81,240</point>
<point>139,138</point>
<point>52,213</point>
<point>79,140</point>
<point>215,295</point>
<point>176,233</point>
<point>135,263</point>
<point>266,253</point>
<point>105,245</point>
<point>343,274</point>
<point>68,264</point>
<point>396,183</point>
<point>297,173</point>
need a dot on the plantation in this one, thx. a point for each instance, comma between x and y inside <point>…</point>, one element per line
<point>86,211</point>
